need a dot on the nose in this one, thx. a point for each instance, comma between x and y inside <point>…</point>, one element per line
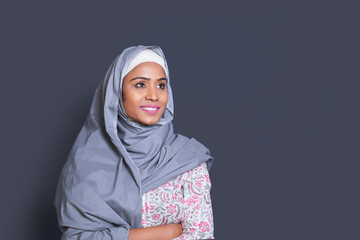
<point>151,94</point>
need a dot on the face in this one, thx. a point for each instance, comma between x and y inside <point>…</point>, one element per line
<point>145,93</point>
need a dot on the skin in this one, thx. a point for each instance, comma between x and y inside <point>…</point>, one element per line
<point>162,232</point>
<point>146,84</point>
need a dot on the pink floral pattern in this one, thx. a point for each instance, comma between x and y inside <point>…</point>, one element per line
<point>185,200</point>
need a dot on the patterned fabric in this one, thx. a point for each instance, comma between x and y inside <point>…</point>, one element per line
<point>185,200</point>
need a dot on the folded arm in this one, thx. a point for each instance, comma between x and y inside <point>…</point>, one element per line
<point>197,221</point>
<point>162,232</point>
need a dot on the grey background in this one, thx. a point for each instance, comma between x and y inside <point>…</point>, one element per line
<point>270,87</point>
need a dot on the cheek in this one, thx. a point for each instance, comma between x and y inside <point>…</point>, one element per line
<point>166,100</point>
<point>165,97</point>
<point>129,98</point>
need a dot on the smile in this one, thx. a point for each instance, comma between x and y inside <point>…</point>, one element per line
<point>150,108</point>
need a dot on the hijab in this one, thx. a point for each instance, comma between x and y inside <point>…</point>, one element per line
<point>114,161</point>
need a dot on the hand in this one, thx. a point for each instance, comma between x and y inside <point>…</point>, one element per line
<point>162,232</point>
<point>176,230</point>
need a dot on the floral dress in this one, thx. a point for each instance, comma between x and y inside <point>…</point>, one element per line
<point>185,200</point>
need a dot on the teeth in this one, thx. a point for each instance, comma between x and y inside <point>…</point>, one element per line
<point>149,108</point>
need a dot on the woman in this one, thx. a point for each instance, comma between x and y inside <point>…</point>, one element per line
<point>128,175</point>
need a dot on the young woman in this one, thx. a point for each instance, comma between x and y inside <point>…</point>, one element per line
<point>128,175</point>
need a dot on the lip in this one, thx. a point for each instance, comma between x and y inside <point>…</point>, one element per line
<point>150,106</point>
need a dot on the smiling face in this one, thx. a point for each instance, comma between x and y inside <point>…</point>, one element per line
<point>145,93</point>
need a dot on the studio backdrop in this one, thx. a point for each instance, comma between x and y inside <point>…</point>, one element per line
<point>270,87</point>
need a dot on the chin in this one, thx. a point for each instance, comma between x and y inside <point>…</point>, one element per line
<point>150,121</point>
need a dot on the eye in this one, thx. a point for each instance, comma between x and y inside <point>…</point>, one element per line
<point>140,85</point>
<point>162,85</point>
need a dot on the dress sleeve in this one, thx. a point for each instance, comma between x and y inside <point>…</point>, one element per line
<point>197,220</point>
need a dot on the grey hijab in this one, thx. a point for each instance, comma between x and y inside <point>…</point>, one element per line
<point>114,161</point>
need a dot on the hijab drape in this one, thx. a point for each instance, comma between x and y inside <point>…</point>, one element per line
<point>114,161</point>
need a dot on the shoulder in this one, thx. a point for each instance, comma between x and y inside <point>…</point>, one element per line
<point>198,172</point>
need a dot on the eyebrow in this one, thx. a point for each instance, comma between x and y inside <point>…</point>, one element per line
<point>145,78</point>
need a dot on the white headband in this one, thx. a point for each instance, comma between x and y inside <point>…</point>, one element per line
<point>146,55</point>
